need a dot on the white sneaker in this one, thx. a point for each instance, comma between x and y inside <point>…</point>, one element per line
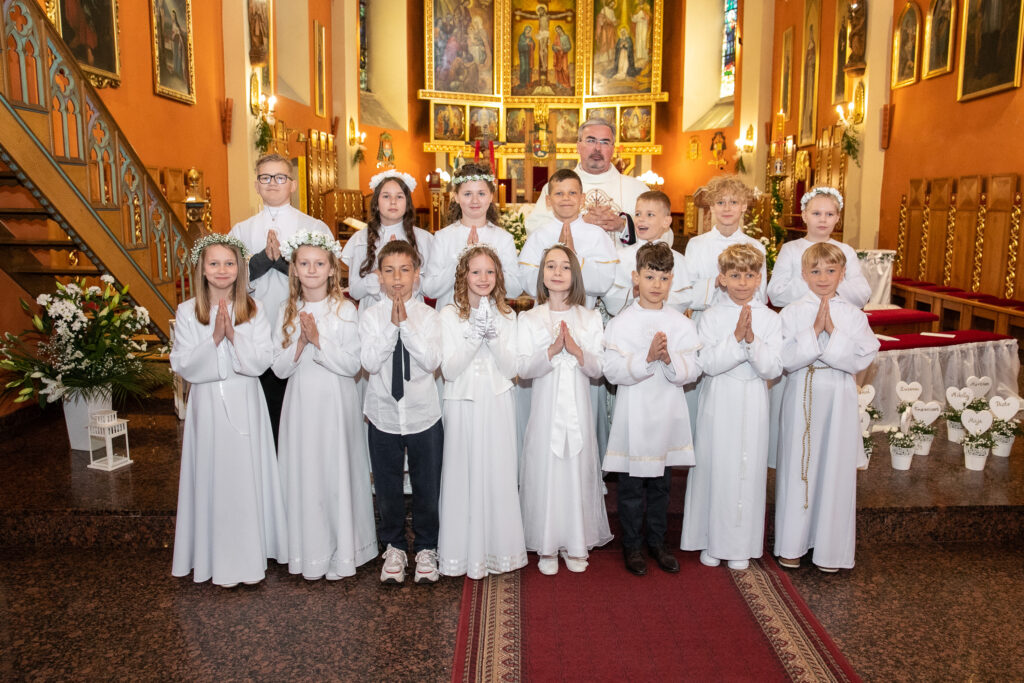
<point>707,560</point>
<point>426,567</point>
<point>574,564</point>
<point>739,565</point>
<point>548,564</point>
<point>395,562</point>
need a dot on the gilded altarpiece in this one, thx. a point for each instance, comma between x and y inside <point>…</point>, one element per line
<point>519,76</point>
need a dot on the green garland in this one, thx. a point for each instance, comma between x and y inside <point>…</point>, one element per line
<point>264,135</point>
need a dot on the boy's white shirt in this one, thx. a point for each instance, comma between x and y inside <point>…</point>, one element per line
<point>702,263</point>
<point>420,407</point>
<point>354,253</point>
<point>596,254</point>
<point>620,296</point>
<point>446,250</point>
<point>787,284</point>
<point>650,429</point>
<point>851,347</point>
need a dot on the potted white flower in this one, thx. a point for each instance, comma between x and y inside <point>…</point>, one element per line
<point>1003,434</point>
<point>869,446</point>
<point>924,434</point>
<point>976,448</point>
<point>901,448</point>
<point>952,416</point>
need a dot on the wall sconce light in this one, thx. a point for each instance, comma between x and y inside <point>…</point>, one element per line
<point>355,137</point>
<point>746,144</point>
<point>651,179</point>
<point>267,105</point>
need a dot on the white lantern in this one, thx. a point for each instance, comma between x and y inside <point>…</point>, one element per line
<point>105,425</point>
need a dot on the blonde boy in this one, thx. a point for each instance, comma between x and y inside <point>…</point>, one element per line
<point>741,343</point>
<point>826,341</point>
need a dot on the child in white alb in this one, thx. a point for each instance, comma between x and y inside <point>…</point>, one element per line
<point>481,524</point>
<point>325,470</point>
<point>741,350</point>
<point>231,515</point>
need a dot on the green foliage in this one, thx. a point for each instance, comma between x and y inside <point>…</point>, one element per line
<point>264,134</point>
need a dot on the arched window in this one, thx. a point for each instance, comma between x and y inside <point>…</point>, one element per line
<point>729,11</point>
<point>364,71</point>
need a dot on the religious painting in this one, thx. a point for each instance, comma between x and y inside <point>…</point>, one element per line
<point>261,41</point>
<point>786,75</point>
<point>624,55</point>
<point>566,162</point>
<point>515,124</point>
<point>173,63</point>
<point>319,50</point>
<point>906,34</point>
<point>604,113</point>
<point>543,48</point>
<point>484,123</point>
<point>515,169</point>
<point>636,124</point>
<point>939,23</point>
<point>462,35</point>
<point>990,47</point>
<point>566,124</point>
<point>839,58</point>
<point>90,29</point>
<point>448,121</point>
<point>808,113</point>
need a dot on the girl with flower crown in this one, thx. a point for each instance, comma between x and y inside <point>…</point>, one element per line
<point>392,217</point>
<point>481,526</point>
<point>473,219</point>
<point>325,472</point>
<point>231,515</point>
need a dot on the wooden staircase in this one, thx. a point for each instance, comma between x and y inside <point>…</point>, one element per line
<point>75,198</point>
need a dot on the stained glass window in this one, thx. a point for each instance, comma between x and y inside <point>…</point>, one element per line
<point>364,72</point>
<point>729,12</point>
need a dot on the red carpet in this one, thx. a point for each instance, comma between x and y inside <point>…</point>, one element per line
<point>606,624</point>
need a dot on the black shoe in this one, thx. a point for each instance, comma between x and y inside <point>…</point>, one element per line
<point>635,561</point>
<point>664,558</point>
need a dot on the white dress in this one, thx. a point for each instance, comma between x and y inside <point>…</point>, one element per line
<point>231,515</point>
<point>447,249</point>
<point>725,491</point>
<point>560,482</point>
<point>325,469</point>
<point>354,253</point>
<point>481,523</point>
<point>819,508</point>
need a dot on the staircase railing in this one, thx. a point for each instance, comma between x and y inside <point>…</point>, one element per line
<point>60,140</point>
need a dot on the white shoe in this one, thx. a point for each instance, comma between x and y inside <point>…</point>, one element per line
<point>395,562</point>
<point>707,560</point>
<point>228,585</point>
<point>548,564</point>
<point>574,564</point>
<point>426,567</point>
<point>739,565</point>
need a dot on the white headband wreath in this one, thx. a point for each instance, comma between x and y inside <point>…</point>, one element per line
<point>217,238</point>
<point>409,181</point>
<point>459,179</point>
<point>822,191</point>
<point>308,238</point>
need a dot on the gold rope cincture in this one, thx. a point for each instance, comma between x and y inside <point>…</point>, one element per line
<point>805,446</point>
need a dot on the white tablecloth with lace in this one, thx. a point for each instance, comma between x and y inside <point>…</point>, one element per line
<point>877,265</point>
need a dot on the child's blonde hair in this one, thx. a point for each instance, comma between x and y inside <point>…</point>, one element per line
<point>822,252</point>
<point>461,298</point>
<point>334,292</point>
<point>745,258</point>
<point>726,185</point>
<point>577,292</point>
<point>244,305</point>
<point>656,197</point>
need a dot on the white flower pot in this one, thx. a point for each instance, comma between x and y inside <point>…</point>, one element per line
<point>975,457</point>
<point>1003,445</point>
<point>954,431</point>
<point>924,443</point>
<point>76,417</point>
<point>901,456</point>
<point>867,459</point>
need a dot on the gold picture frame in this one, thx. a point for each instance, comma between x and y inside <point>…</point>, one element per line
<point>810,71</point>
<point>93,37</point>
<point>976,78</point>
<point>838,82</point>
<point>448,68</point>
<point>448,122</point>
<point>786,74</point>
<point>939,39</point>
<point>906,36</point>
<point>320,65</point>
<point>174,71</point>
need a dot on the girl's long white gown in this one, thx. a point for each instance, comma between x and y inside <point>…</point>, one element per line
<point>560,476</point>
<point>481,523</point>
<point>231,515</point>
<point>325,468</point>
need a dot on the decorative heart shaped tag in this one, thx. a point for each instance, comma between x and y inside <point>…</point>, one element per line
<point>979,386</point>
<point>958,398</point>
<point>1004,408</point>
<point>865,395</point>
<point>908,393</point>
<point>865,421</point>
<point>905,419</point>
<point>926,412</point>
<point>976,421</point>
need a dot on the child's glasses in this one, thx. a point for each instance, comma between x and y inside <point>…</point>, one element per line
<point>278,178</point>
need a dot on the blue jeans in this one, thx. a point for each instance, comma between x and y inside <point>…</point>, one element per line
<point>387,456</point>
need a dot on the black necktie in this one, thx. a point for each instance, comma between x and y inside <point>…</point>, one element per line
<point>399,369</point>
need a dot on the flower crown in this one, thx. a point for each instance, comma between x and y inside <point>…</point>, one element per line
<point>409,181</point>
<point>469,247</point>
<point>459,179</point>
<point>216,238</point>
<point>821,191</point>
<point>308,238</point>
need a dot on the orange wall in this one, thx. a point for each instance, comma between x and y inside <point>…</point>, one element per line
<point>933,136</point>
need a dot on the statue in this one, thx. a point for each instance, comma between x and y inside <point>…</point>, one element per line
<point>858,35</point>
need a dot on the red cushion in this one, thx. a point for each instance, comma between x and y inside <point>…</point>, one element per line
<point>915,341</point>
<point>899,316</point>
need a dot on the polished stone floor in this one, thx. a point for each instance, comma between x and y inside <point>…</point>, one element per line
<point>86,591</point>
